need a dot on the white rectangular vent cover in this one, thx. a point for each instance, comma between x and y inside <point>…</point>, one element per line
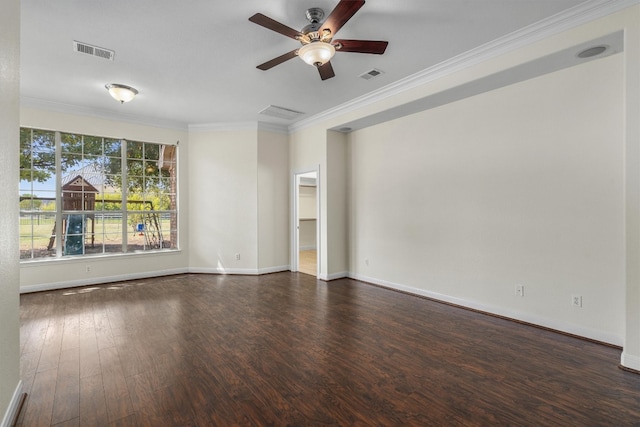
<point>281,112</point>
<point>371,74</point>
<point>88,49</point>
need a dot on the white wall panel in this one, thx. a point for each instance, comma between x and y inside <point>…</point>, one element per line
<point>522,185</point>
<point>9,271</point>
<point>273,201</point>
<point>223,202</point>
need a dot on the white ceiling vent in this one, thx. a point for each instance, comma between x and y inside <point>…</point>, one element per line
<point>374,72</point>
<point>281,112</point>
<point>88,49</point>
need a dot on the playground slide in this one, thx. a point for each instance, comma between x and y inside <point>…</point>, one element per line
<point>74,236</point>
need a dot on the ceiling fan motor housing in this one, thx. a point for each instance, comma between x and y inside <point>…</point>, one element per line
<point>314,16</point>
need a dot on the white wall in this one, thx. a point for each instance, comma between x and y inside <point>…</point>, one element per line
<point>223,203</point>
<point>58,273</point>
<point>273,201</point>
<point>631,354</point>
<point>92,125</point>
<point>522,185</point>
<point>336,206</point>
<point>9,271</point>
<point>239,201</point>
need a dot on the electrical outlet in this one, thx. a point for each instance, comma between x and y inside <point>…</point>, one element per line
<point>366,261</point>
<point>576,300</point>
<point>87,268</point>
<point>237,257</point>
<point>520,290</point>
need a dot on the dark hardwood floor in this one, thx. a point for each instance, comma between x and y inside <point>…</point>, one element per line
<point>285,349</point>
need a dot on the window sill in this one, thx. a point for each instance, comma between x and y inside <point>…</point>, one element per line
<point>98,257</point>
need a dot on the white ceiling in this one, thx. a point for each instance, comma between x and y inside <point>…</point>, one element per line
<point>194,61</point>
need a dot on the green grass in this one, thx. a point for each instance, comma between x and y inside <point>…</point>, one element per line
<point>107,231</point>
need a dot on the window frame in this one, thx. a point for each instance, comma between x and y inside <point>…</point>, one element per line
<point>158,205</point>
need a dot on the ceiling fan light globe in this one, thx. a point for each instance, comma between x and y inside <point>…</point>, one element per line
<point>317,53</point>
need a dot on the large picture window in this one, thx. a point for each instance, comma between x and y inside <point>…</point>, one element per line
<point>88,195</point>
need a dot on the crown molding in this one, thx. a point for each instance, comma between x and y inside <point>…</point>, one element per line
<point>222,127</point>
<point>578,15</point>
<point>273,127</point>
<point>237,127</point>
<point>58,107</point>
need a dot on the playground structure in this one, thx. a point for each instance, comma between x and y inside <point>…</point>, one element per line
<point>150,225</point>
<point>79,196</point>
<point>76,236</point>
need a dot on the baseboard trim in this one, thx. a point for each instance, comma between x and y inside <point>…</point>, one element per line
<point>14,407</point>
<point>239,271</point>
<point>148,275</point>
<point>552,325</point>
<point>333,276</point>
<point>630,362</point>
<point>270,270</point>
<point>214,270</point>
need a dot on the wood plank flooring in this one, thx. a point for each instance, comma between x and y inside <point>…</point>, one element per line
<point>308,262</point>
<point>285,349</point>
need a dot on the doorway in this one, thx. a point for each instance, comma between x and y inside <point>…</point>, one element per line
<point>306,223</point>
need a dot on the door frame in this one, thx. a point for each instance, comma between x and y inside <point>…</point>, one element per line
<point>295,219</point>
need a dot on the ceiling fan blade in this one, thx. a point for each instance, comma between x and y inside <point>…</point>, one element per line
<point>361,46</point>
<point>341,14</point>
<point>273,25</point>
<point>279,60</point>
<point>326,71</point>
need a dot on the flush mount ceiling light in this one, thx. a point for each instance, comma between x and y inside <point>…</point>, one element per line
<point>317,53</point>
<point>120,92</point>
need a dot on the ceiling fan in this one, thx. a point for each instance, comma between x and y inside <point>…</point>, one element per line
<point>318,46</point>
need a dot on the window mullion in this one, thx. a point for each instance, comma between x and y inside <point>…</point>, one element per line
<point>58,160</point>
<point>125,186</point>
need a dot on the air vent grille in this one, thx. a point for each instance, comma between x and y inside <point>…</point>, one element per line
<point>281,112</point>
<point>371,74</point>
<point>88,49</point>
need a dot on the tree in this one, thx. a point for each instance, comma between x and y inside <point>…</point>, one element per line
<point>30,202</point>
<point>38,153</point>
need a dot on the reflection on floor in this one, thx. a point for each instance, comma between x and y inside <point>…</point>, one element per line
<point>308,262</point>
